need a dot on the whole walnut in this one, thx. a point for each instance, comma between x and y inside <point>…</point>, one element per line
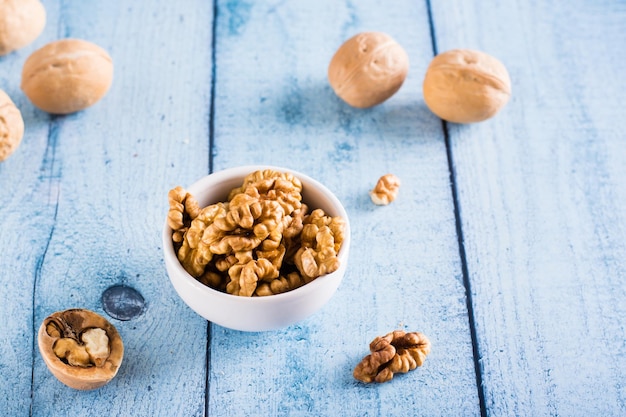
<point>11,126</point>
<point>466,86</point>
<point>21,22</point>
<point>368,69</point>
<point>67,76</point>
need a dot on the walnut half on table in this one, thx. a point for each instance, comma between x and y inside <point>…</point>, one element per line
<point>396,352</point>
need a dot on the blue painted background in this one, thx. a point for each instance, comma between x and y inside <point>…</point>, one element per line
<point>505,245</point>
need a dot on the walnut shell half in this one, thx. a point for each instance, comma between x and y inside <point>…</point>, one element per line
<point>70,325</point>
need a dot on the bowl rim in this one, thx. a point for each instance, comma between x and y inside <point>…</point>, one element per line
<point>171,259</point>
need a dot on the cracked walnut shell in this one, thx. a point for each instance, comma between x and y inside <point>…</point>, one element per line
<point>396,352</point>
<point>466,86</point>
<point>81,348</point>
<point>367,69</point>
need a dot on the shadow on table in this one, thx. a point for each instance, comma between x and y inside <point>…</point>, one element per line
<point>314,105</point>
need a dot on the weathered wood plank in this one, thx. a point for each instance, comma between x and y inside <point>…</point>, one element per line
<point>274,105</point>
<point>542,195</point>
<point>113,165</point>
<point>27,211</point>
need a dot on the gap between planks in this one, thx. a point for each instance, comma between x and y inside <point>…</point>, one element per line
<point>459,233</point>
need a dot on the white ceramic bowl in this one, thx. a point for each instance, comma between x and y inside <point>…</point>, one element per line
<point>256,313</point>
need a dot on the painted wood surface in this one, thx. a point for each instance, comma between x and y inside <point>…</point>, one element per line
<point>27,210</point>
<point>535,195</point>
<point>542,196</point>
<point>89,215</point>
<point>273,105</point>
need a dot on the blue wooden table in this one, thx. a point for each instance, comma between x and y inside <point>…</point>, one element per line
<point>506,245</point>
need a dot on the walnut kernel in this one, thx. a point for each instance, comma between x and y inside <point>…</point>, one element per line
<point>75,354</point>
<point>182,206</point>
<point>367,69</point>
<point>280,285</point>
<point>91,348</point>
<point>96,344</point>
<point>466,86</point>
<point>396,352</point>
<point>386,190</point>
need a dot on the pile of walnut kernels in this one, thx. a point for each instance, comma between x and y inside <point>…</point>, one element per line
<point>262,241</point>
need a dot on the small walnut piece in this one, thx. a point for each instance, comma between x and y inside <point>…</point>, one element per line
<point>67,76</point>
<point>183,209</point>
<point>318,257</point>
<point>367,69</point>
<point>386,190</point>
<point>69,349</point>
<point>97,345</point>
<point>396,352</point>
<point>280,285</point>
<point>21,22</point>
<point>81,348</point>
<point>11,126</point>
<point>466,86</point>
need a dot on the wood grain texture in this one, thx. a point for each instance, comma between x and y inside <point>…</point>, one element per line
<point>540,192</point>
<point>96,201</point>
<point>542,198</point>
<point>28,182</point>
<point>274,105</point>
